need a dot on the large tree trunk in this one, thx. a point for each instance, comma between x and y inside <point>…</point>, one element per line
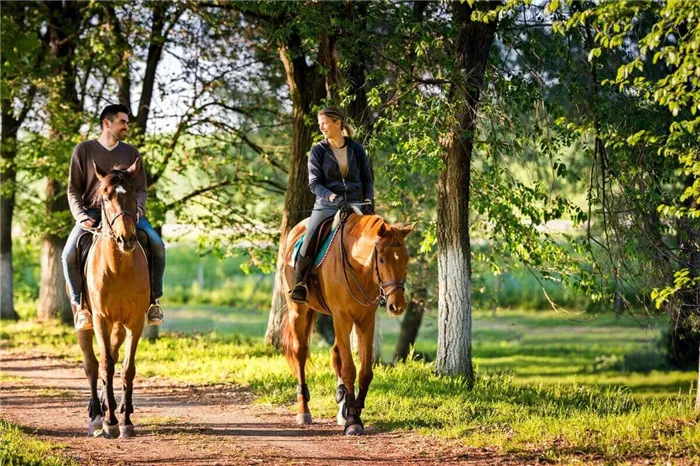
<point>7,204</point>
<point>410,324</point>
<point>53,299</point>
<point>64,28</point>
<point>454,355</point>
<point>306,88</point>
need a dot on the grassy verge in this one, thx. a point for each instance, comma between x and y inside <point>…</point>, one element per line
<point>539,387</point>
<point>20,448</point>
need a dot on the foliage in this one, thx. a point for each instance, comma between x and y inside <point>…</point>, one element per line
<point>19,448</point>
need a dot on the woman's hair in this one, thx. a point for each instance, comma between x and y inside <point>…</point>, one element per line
<point>336,114</point>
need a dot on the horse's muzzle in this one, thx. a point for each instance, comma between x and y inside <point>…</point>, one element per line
<point>126,245</point>
<point>396,303</point>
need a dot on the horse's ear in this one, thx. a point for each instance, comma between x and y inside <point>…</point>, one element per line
<point>383,231</point>
<point>406,230</point>
<point>133,169</point>
<point>98,172</point>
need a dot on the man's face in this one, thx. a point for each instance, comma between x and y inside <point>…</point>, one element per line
<point>119,127</point>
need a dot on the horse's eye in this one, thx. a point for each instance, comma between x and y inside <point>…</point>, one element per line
<point>381,259</point>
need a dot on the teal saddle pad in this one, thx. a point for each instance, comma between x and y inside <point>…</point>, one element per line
<point>321,251</point>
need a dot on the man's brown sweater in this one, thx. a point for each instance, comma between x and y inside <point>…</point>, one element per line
<point>82,182</point>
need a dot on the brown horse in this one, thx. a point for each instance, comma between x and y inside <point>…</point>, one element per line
<point>365,266</point>
<point>118,294</point>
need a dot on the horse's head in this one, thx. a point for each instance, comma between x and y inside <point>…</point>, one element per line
<point>391,258</point>
<point>116,195</point>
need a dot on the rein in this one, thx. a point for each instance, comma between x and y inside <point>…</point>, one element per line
<point>383,295</point>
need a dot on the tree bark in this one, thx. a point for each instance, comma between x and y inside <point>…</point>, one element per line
<point>306,88</point>
<point>410,325</point>
<point>64,23</point>
<point>53,299</point>
<point>7,205</point>
<point>454,355</point>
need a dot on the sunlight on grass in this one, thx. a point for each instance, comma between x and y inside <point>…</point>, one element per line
<point>20,448</point>
<point>538,387</point>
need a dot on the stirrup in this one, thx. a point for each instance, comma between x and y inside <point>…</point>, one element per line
<point>306,293</point>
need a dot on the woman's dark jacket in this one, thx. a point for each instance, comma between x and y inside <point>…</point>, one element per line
<point>325,177</point>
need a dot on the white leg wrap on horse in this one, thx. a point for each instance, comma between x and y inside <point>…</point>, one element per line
<point>94,425</point>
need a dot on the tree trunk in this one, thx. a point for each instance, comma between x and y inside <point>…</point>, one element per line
<point>410,325</point>
<point>7,205</point>
<point>64,106</point>
<point>53,299</point>
<point>306,88</point>
<point>454,355</point>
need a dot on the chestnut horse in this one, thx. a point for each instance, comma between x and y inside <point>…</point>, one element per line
<point>118,295</point>
<point>365,266</point>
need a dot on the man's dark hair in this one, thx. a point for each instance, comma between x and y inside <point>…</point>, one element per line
<point>110,112</point>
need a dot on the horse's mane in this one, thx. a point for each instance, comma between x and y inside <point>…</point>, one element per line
<point>116,177</point>
<point>366,226</point>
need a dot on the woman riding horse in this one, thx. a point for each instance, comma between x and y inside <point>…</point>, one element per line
<point>339,174</point>
<point>365,266</point>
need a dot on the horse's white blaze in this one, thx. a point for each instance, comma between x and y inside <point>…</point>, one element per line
<point>120,189</point>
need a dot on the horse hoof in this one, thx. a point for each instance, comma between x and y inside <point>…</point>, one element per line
<point>304,418</point>
<point>94,426</point>
<point>355,429</point>
<point>110,431</point>
<point>126,431</point>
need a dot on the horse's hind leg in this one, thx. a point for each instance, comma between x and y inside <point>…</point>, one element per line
<point>91,371</point>
<point>343,327</point>
<point>300,322</point>
<point>126,406</point>
<point>103,330</point>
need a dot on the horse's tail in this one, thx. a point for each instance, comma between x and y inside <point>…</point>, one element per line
<point>287,340</point>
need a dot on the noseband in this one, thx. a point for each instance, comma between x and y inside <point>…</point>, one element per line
<point>110,223</point>
<point>393,285</point>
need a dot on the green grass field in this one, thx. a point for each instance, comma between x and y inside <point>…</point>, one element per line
<point>541,387</point>
<point>19,448</point>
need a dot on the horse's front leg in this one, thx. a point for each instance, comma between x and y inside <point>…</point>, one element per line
<point>342,351</point>
<point>365,341</point>
<point>103,332</point>
<point>126,407</point>
<point>91,371</point>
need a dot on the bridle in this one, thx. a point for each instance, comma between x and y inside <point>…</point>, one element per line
<point>110,223</point>
<point>383,295</point>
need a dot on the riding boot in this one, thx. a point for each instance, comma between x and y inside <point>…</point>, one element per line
<point>300,292</point>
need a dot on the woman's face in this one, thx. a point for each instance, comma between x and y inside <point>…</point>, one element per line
<point>329,127</point>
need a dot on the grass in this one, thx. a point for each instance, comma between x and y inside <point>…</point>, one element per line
<point>21,448</point>
<point>540,387</point>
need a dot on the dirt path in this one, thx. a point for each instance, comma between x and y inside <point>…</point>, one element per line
<point>180,424</point>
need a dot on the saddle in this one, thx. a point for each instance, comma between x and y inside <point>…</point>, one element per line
<point>87,241</point>
<point>326,234</point>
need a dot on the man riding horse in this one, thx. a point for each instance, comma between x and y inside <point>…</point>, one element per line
<point>106,153</point>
